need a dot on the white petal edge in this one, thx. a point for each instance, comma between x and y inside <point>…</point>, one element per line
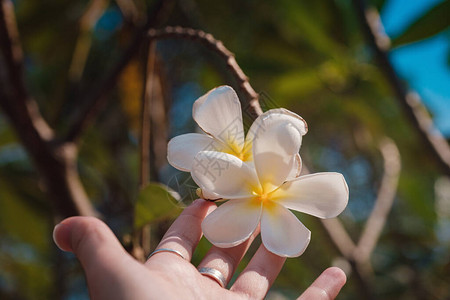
<point>324,195</point>
<point>282,233</point>
<point>231,223</point>
<point>207,195</point>
<point>280,115</point>
<point>219,114</point>
<point>275,148</point>
<point>296,168</point>
<point>182,149</point>
<point>224,174</point>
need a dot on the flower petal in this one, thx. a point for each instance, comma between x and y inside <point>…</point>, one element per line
<point>219,114</point>
<point>274,153</point>
<point>182,149</point>
<point>296,168</point>
<point>231,223</point>
<point>207,195</point>
<point>275,115</point>
<point>224,174</point>
<point>324,195</point>
<point>282,233</point>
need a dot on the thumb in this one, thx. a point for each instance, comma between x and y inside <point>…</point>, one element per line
<point>108,267</point>
<point>92,242</point>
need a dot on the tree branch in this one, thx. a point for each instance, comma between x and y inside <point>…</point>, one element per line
<point>24,110</point>
<point>132,14</point>
<point>339,237</point>
<point>358,255</point>
<point>159,121</point>
<point>344,244</point>
<point>383,203</point>
<point>145,117</point>
<point>218,47</point>
<point>411,103</point>
<point>10,44</point>
<point>96,99</point>
<point>361,252</point>
<point>91,15</point>
<point>54,161</point>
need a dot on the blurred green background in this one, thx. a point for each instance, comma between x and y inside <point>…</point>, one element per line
<point>308,56</point>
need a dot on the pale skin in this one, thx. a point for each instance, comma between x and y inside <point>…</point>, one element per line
<point>112,273</point>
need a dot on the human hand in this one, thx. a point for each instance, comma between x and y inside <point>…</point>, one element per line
<point>113,274</point>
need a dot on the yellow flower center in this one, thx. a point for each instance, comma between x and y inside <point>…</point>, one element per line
<point>243,153</point>
<point>267,200</point>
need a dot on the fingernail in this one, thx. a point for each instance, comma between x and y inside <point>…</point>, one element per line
<point>55,230</point>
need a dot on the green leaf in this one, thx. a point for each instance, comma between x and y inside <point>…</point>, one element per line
<point>155,202</point>
<point>432,22</point>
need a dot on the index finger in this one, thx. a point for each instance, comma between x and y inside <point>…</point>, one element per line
<point>185,233</point>
<point>327,286</point>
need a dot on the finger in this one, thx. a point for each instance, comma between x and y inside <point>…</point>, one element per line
<point>326,286</point>
<point>185,233</point>
<point>93,243</point>
<point>259,275</point>
<point>226,260</point>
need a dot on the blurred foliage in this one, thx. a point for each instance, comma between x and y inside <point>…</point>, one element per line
<point>308,56</point>
<point>155,202</point>
<point>430,23</point>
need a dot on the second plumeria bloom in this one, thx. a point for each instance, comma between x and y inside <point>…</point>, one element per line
<point>218,113</point>
<point>263,193</point>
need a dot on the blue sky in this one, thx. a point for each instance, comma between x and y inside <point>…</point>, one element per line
<point>423,64</point>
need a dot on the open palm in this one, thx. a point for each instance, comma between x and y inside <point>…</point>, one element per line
<point>113,274</point>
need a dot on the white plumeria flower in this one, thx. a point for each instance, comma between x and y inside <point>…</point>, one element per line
<point>218,113</point>
<point>264,194</point>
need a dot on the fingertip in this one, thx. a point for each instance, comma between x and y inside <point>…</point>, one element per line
<point>198,202</point>
<point>331,281</point>
<point>69,234</point>
<point>199,206</point>
<point>62,235</point>
<point>337,274</point>
<point>327,285</point>
<point>259,275</point>
<point>56,236</point>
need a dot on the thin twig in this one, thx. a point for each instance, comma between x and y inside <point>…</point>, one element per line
<point>137,251</point>
<point>131,13</point>
<point>145,117</point>
<point>146,239</point>
<point>218,47</point>
<point>141,240</point>
<point>340,237</point>
<point>415,110</point>
<point>358,255</point>
<point>336,231</point>
<point>383,203</point>
<point>91,15</point>
<point>159,123</point>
